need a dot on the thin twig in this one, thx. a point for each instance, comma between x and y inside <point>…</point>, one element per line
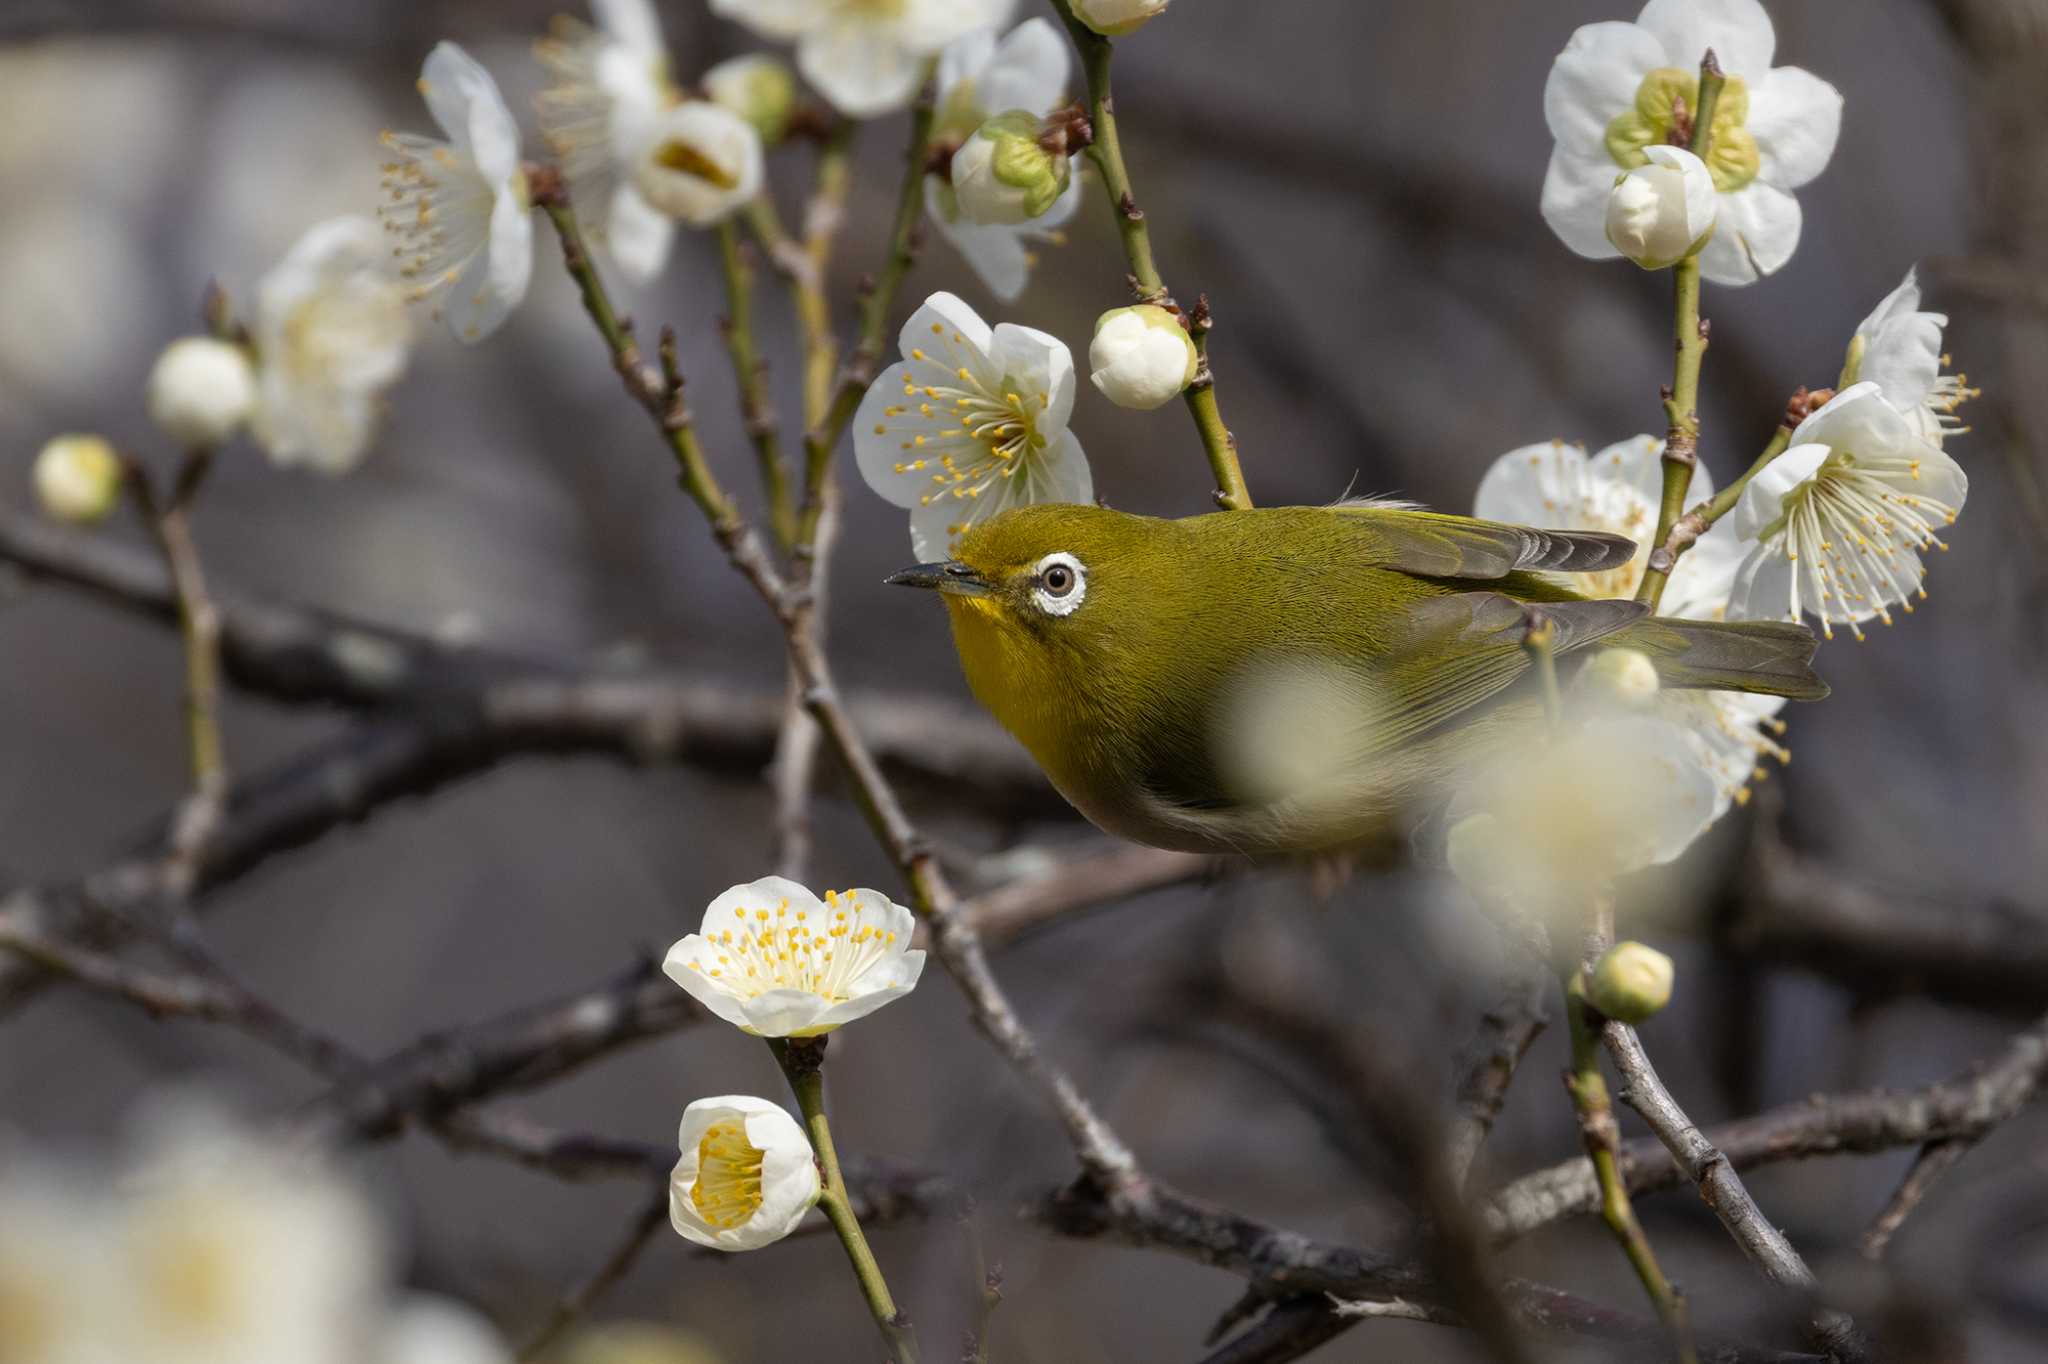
<point>652,1217</point>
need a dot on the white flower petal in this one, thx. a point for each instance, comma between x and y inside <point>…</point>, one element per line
<point>995,252</point>
<point>777,18</point>
<point>631,22</point>
<point>1043,367</point>
<point>638,237</point>
<point>1796,118</point>
<point>452,83</point>
<point>1763,585</point>
<point>926,26</point>
<point>1575,192</point>
<point>1739,32</point>
<point>858,65</point>
<point>493,282</point>
<point>1593,80</point>
<point>1527,485</point>
<point>965,59</point>
<point>789,1171</point>
<point>946,314</point>
<point>1902,348</point>
<point>1757,232</point>
<point>1763,497</point>
<point>1061,474</point>
<point>786,1012</point>
<point>689,964</point>
<point>1638,463</point>
<point>1028,70</point>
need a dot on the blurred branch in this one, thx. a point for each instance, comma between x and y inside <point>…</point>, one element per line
<point>1487,1065</point>
<point>651,1218</point>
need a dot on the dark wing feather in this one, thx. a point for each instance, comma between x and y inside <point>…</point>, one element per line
<point>1435,545</point>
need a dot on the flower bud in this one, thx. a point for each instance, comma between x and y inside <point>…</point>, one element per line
<point>1114,18</point>
<point>1626,677</point>
<point>1630,982</point>
<point>1141,356</point>
<point>1003,175</point>
<point>78,479</point>
<point>757,87</point>
<point>201,390</point>
<point>699,162</point>
<point>1660,213</point>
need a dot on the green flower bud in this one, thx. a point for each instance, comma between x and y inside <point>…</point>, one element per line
<point>1625,676</point>
<point>1630,982</point>
<point>1141,356</point>
<point>757,87</point>
<point>78,479</point>
<point>1004,175</point>
<point>1114,18</point>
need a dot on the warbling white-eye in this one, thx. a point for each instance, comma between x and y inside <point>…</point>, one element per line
<point>1151,665</point>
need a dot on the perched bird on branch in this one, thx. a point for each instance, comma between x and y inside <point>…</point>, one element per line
<point>1294,679</point>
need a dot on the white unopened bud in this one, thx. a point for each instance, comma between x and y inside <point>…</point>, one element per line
<point>78,478</point>
<point>1141,356</point>
<point>201,390</point>
<point>759,88</point>
<point>1630,982</point>
<point>1625,676</point>
<point>1659,214</point>
<point>1003,174</point>
<point>699,162</point>
<point>1114,18</point>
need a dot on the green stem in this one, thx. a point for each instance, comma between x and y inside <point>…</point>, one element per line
<point>757,413</point>
<point>1106,151</point>
<point>801,1060</point>
<point>1689,337</point>
<point>859,370</point>
<point>1602,1138</point>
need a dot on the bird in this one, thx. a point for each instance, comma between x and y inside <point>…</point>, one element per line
<point>1289,680</point>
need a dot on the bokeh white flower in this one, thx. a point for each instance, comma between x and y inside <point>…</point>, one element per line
<point>746,1176</point>
<point>774,960</point>
<point>1620,88</point>
<point>1898,348</point>
<point>200,391</point>
<point>981,76</point>
<point>1840,520</point>
<point>1661,212</point>
<point>1141,357</point>
<point>759,88</point>
<point>865,55</point>
<point>426,1328</point>
<point>459,210</point>
<point>606,86</point>
<point>700,162</point>
<point>78,480</point>
<point>332,334</point>
<point>972,421</point>
<point>1114,18</point>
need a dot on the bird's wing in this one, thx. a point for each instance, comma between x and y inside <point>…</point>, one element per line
<point>1435,545</point>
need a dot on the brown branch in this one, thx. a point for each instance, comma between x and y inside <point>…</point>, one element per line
<point>651,1218</point>
<point>1935,1159</point>
<point>1486,1067</point>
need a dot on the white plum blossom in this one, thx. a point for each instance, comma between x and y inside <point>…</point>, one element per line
<point>1898,348</point>
<point>774,960</point>
<point>607,86</point>
<point>972,421</point>
<point>1141,356</point>
<point>757,87</point>
<point>980,76</point>
<point>746,1176</point>
<point>200,391</point>
<point>459,209</point>
<point>426,1328</point>
<point>700,162</point>
<point>1617,490</point>
<point>1840,520</point>
<point>1114,18</point>
<point>331,335</point>
<point>1004,175</point>
<point>865,55</point>
<point>78,480</point>
<point>1619,88</point>
<point>1661,212</point>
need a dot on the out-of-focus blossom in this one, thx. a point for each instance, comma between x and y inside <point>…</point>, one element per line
<point>1141,356</point>
<point>774,960</point>
<point>200,391</point>
<point>607,86</point>
<point>700,162</point>
<point>78,480</point>
<point>1630,982</point>
<point>1839,521</point>
<point>759,88</point>
<point>1662,211</point>
<point>1898,348</point>
<point>637,1342</point>
<point>971,422</point>
<point>863,55</point>
<point>980,76</point>
<point>1619,89</point>
<point>426,1328</point>
<point>1114,18</point>
<point>746,1176</point>
<point>1623,678</point>
<point>459,209</point>
<point>332,335</point>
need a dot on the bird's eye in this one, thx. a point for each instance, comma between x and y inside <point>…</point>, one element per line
<point>1058,584</point>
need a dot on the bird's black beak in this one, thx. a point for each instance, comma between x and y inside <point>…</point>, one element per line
<point>950,576</point>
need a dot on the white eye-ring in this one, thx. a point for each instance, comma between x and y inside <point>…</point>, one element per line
<point>1058,584</point>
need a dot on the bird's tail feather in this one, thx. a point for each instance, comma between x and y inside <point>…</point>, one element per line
<point>1769,657</point>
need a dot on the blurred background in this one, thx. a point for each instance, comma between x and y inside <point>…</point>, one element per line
<point>1355,187</point>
